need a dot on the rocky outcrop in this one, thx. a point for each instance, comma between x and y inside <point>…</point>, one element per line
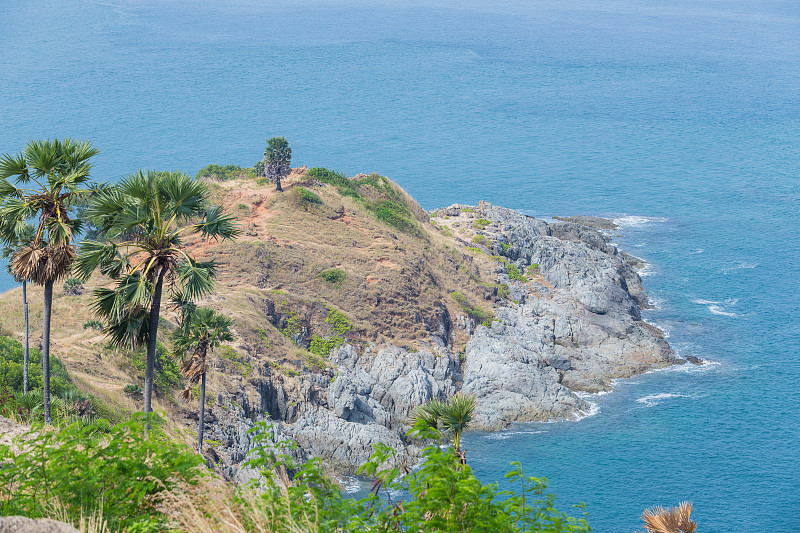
<point>567,321</point>
<point>20,524</point>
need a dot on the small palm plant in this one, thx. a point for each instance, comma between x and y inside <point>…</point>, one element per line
<point>17,236</point>
<point>202,330</point>
<point>445,418</point>
<point>673,520</point>
<point>50,180</point>
<point>277,160</point>
<point>144,220</point>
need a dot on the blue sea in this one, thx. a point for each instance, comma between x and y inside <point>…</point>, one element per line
<point>678,118</point>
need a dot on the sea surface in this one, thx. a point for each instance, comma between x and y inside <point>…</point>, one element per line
<point>678,118</point>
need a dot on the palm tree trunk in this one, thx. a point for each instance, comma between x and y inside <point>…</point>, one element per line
<point>202,412</point>
<point>27,353</point>
<point>48,307</point>
<point>152,339</point>
<point>278,180</point>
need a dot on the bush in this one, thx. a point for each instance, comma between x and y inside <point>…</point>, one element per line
<point>167,375</point>
<point>345,186</point>
<point>93,324</point>
<point>475,312</point>
<point>334,276</point>
<point>480,239</point>
<point>11,359</point>
<point>441,496</point>
<point>306,198</point>
<point>118,471</point>
<point>481,223</point>
<point>73,286</point>
<point>132,389</point>
<point>225,172</point>
<point>395,215</point>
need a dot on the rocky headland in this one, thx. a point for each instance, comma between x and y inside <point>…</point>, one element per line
<point>352,305</point>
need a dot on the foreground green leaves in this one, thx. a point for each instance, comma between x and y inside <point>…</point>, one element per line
<point>114,470</point>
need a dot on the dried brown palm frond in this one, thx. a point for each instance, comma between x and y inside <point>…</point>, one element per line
<point>193,366</point>
<point>672,520</point>
<point>41,264</point>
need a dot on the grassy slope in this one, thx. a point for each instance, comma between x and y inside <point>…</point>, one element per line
<point>394,281</point>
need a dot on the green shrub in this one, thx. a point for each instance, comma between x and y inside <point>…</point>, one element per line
<point>315,361</point>
<point>397,216</point>
<point>118,471</point>
<point>306,197</point>
<point>92,324</point>
<point>467,210</point>
<point>167,375</point>
<point>514,273</point>
<point>481,223</point>
<point>473,311</point>
<point>334,276</point>
<point>11,359</point>
<point>474,249</point>
<point>505,247</point>
<point>345,186</point>
<point>443,495</point>
<point>241,365</point>
<point>480,239</point>
<point>132,389</point>
<point>73,286</point>
<point>341,324</point>
<point>225,172</point>
<point>263,181</point>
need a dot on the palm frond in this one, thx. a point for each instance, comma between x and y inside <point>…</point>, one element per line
<point>103,255</point>
<point>673,520</point>
<point>14,165</point>
<point>216,225</point>
<point>183,196</point>
<point>196,278</point>
<point>41,264</point>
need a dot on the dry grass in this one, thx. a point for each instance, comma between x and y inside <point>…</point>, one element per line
<point>672,520</point>
<point>213,507</point>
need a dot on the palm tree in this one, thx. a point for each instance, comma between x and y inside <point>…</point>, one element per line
<point>49,179</point>
<point>277,160</point>
<point>201,331</point>
<point>141,219</point>
<point>449,418</point>
<point>17,237</point>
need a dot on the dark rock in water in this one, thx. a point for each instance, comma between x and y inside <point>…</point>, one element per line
<point>590,222</point>
<point>694,360</point>
<point>21,524</point>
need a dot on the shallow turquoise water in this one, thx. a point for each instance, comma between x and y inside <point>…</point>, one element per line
<point>683,114</point>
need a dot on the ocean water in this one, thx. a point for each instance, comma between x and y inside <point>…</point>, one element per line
<point>679,118</point>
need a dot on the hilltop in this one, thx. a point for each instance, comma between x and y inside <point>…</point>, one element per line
<point>352,304</point>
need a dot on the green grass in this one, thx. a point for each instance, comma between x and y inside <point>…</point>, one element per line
<point>480,239</point>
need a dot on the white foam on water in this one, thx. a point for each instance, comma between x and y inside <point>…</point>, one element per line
<point>646,270</point>
<point>697,251</point>
<point>503,435</point>
<point>662,329</point>
<point>717,310</point>
<point>716,307</point>
<point>654,399</point>
<point>633,221</point>
<point>350,484</point>
<point>593,410</point>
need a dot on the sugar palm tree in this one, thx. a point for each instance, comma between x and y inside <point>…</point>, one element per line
<point>277,160</point>
<point>448,418</point>
<point>49,178</point>
<point>18,236</point>
<point>201,331</point>
<point>144,220</point>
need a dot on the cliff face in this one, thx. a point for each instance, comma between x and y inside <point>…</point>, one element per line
<point>352,306</point>
<point>570,324</point>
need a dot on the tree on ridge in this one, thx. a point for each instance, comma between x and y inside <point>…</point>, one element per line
<point>277,160</point>
<point>447,418</point>
<point>49,180</point>
<point>141,219</point>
